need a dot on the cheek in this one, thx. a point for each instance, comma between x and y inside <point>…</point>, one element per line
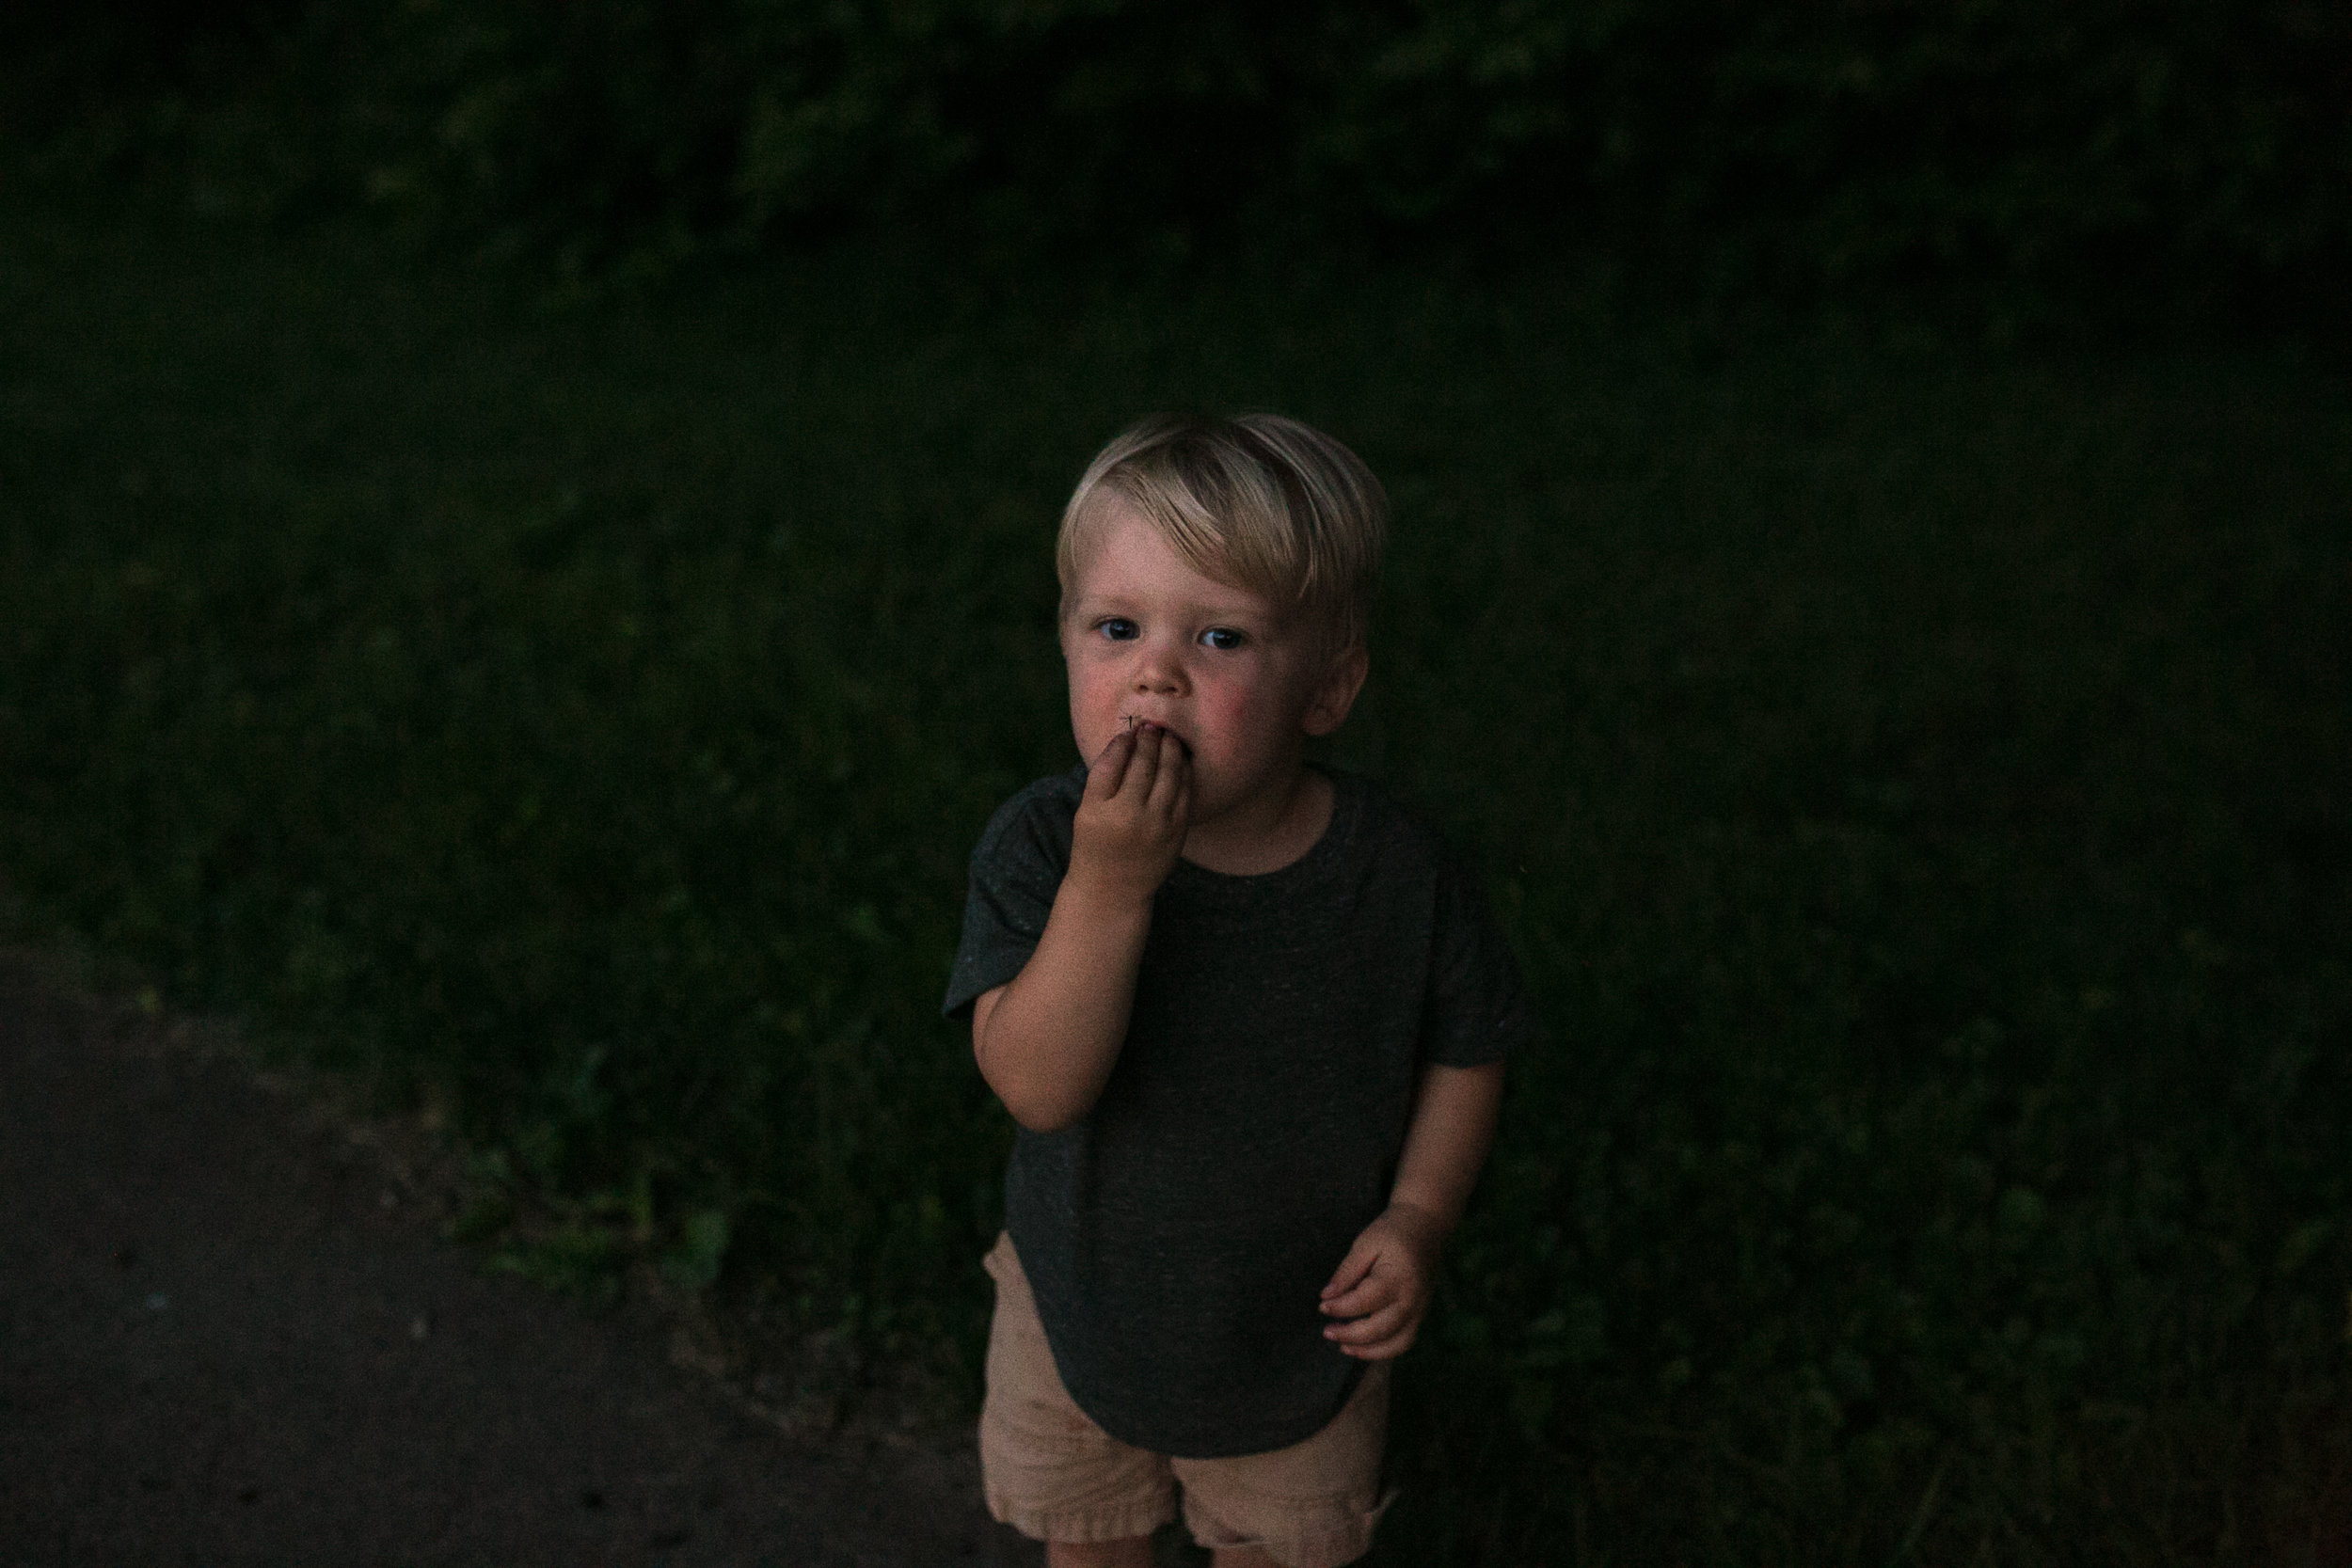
<point>1237,716</point>
<point>1095,698</point>
<point>1097,683</point>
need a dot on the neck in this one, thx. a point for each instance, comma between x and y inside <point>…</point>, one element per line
<point>1286,823</point>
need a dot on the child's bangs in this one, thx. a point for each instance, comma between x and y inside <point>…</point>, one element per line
<point>1233,531</point>
<point>1262,502</point>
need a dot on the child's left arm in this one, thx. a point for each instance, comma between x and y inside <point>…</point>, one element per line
<point>1381,1291</point>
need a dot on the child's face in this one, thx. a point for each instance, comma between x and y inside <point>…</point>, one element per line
<point>1149,638</point>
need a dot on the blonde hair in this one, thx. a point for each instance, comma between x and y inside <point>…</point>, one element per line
<point>1262,502</point>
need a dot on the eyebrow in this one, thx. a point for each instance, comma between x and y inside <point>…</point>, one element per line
<point>1117,604</point>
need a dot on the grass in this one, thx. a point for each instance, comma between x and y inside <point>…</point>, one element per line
<point>1914,781</point>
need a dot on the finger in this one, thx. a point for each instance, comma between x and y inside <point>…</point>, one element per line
<point>1371,1294</point>
<point>1352,1268</point>
<point>1149,760</point>
<point>1395,1345</point>
<point>1174,778</point>
<point>1370,1329</point>
<point>1391,1336</point>
<point>1109,767</point>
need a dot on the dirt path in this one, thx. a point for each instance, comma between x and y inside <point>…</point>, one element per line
<point>225,1338</point>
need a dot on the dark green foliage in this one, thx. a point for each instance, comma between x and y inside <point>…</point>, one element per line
<point>2119,162</point>
<point>1915,788</point>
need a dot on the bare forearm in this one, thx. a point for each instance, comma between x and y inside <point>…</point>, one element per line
<point>1382,1287</point>
<point>1446,1143</point>
<point>1046,1042</point>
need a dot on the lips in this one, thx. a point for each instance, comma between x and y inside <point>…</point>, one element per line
<point>1140,721</point>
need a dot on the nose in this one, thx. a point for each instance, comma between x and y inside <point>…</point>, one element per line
<point>1160,671</point>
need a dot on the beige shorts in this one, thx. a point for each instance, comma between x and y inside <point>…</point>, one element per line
<point>1054,1475</point>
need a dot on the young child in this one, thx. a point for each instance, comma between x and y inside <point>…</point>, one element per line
<point>1249,1017</point>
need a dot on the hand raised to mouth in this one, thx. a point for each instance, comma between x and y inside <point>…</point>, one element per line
<point>1130,822</point>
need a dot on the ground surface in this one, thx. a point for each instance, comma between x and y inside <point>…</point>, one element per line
<point>229,1335</point>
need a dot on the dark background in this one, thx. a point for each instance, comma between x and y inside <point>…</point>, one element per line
<point>527,546</point>
<point>2123,163</point>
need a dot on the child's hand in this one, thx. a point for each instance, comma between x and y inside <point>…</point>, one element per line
<point>1382,1287</point>
<point>1130,822</point>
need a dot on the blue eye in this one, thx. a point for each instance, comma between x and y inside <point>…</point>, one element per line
<point>1118,629</point>
<point>1223,639</point>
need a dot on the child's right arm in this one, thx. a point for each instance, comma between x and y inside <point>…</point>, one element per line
<point>1047,1040</point>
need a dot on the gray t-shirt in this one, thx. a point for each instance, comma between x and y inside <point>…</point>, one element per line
<point>1179,1236</point>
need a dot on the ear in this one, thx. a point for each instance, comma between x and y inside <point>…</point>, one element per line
<point>1327,708</point>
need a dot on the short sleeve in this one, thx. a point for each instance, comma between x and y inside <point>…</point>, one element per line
<point>1016,870</point>
<point>1477,1010</point>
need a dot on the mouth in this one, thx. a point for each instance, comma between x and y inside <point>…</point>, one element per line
<point>1134,723</point>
